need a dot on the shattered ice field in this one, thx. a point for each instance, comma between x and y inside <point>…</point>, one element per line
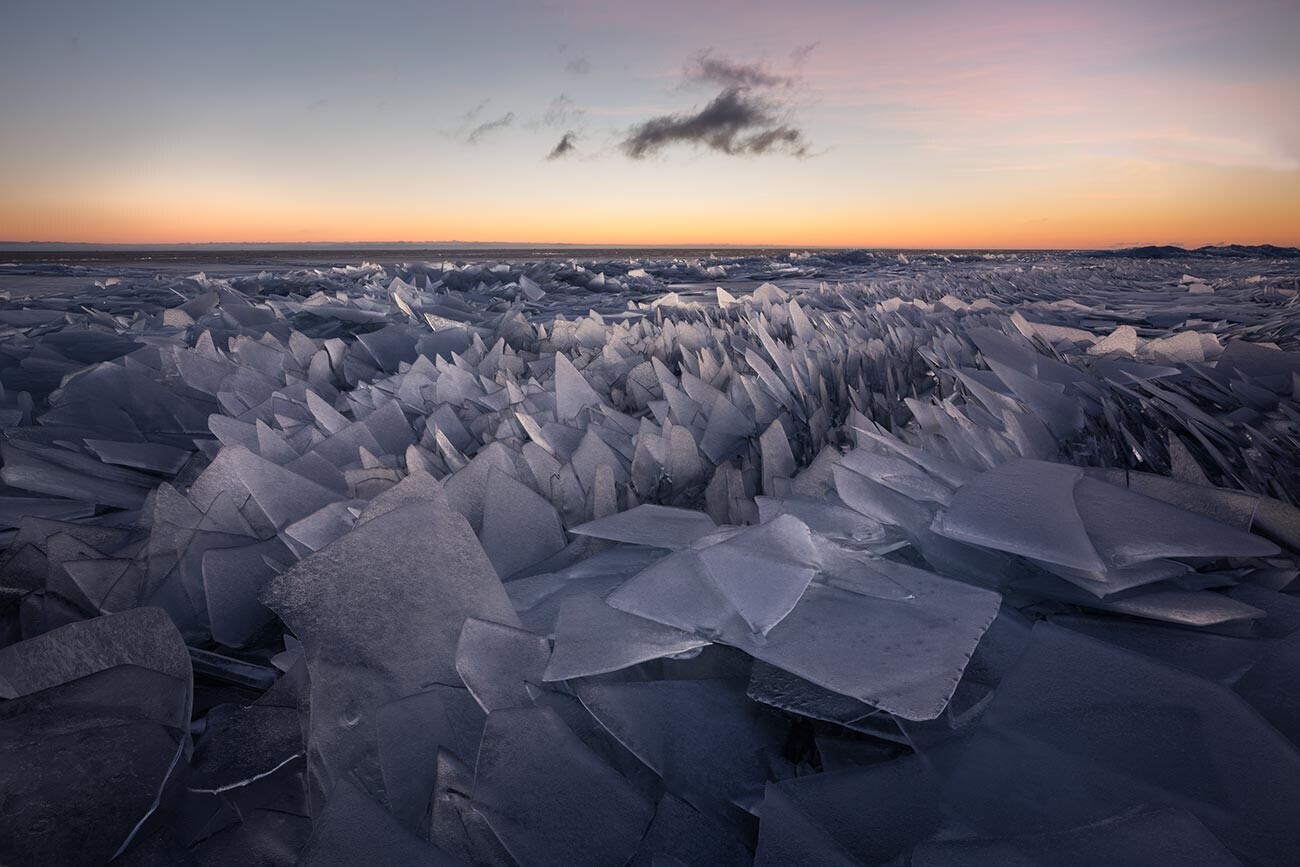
<point>825,559</point>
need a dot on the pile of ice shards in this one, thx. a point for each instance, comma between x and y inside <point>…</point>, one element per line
<point>834,559</point>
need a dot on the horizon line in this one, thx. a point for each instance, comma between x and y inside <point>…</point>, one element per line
<point>91,246</point>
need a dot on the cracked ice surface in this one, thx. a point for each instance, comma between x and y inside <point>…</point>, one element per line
<point>842,558</point>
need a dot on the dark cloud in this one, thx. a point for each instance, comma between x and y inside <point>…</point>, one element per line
<point>707,68</point>
<point>566,146</point>
<point>578,66</point>
<point>737,122</point>
<point>478,133</point>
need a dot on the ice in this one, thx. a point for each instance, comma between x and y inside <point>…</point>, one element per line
<point>572,391</point>
<point>788,836</point>
<point>282,496</point>
<point>1190,607</point>
<point>778,460</point>
<point>549,799</point>
<point>900,655</point>
<point>389,634</point>
<point>1129,528</point>
<point>520,528</point>
<point>497,663</point>
<point>242,745</point>
<point>25,468</point>
<point>833,557</point>
<point>648,524</point>
<point>141,637</point>
<point>711,745</point>
<point>1170,836</point>
<point>687,836</point>
<point>593,638</point>
<point>1265,686</point>
<point>410,732</point>
<point>1183,743</point>
<point>455,826</point>
<point>353,829</point>
<point>1122,341</point>
<point>144,456</point>
<point>863,816</point>
<point>87,759</point>
<point>1094,531</point>
<point>466,488</point>
<point>763,572</point>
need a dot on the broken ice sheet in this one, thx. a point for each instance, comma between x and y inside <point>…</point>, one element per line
<point>865,815</point>
<point>353,829</point>
<point>143,637</point>
<point>825,517</point>
<point>1052,513</point>
<point>686,836</point>
<point>538,598</point>
<point>232,579</point>
<point>497,662</point>
<point>742,580</point>
<point>241,744</point>
<point>762,571</point>
<point>1168,836</point>
<point>902,649</point>
<point>379,613</point>
<point>454,825</point>
<point>904,656</point>
<point>781,689</point>
<point>1024,507</point>
<point>712,746</point>
<point>410,732</point>
<point>593,638</point>
<point>1131,734</point>
<point>648,524</point>
<point>520,528</point>
<point>87,759</point>
<point>549,799</point>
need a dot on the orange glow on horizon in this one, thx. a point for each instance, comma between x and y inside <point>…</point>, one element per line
<point>1255,210</point>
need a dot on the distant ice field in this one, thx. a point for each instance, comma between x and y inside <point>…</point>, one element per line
<point>649,557</point>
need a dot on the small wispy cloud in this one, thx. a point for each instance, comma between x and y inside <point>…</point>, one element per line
<point>799,56</point>
<point>707,68</point>
<point>566,146</point>
<point>578,66</point>
<point>1219,151</point>
<point>483,130</point>
<point>561,112</point>
<point>1021,167</point>
<point>474,112</point>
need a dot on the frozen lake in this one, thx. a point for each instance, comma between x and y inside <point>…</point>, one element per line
<point>508,557</point>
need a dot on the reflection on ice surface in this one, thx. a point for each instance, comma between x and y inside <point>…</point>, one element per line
<point>829,558</point>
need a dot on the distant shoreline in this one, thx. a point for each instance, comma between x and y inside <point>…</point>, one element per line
<point>37,252</point>
<point>285,247</point>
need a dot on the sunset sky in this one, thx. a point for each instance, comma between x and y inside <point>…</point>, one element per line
<point>918,124</point>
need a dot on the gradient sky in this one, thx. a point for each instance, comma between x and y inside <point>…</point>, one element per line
<point>949,124</point>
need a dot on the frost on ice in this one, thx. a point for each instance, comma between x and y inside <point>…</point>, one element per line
<point>856,559</point>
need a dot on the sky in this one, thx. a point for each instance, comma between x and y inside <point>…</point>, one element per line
<point>920,124</point>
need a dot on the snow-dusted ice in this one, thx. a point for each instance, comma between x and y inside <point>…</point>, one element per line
<point>801,558</point>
